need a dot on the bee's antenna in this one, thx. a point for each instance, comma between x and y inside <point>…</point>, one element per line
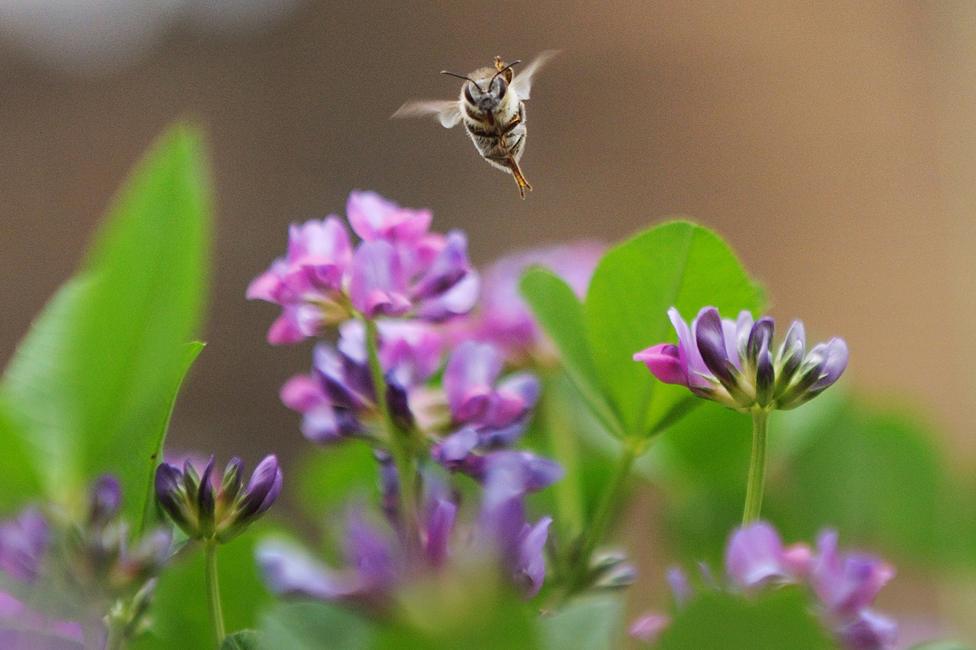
<point>461,76</point>
<point>507,67</point>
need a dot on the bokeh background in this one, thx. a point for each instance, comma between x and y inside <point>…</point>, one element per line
<point>833,145</point>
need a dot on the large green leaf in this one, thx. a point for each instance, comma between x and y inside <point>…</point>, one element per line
<point>19,479</point>
<point>312,625</point>
<point>560,314</point>
<point>676,264</point>
<point>777,620</point>
<point>92,384</point>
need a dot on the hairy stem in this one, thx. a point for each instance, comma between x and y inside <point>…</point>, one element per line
<point>213,592</point>
<point>757,467</point>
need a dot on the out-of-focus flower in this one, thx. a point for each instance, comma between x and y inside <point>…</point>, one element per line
<point>207,507</point>
<point>337,401</point>
<point>843,584</point>
<point>399,268</point>
<point>487,414</point>
<point>504,320</point>
<point>22,628</point>
<point>648,627</point>
<point>23,542</point>
<point>734,363</point>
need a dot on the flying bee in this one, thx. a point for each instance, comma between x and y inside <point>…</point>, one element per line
<point>492,108</point>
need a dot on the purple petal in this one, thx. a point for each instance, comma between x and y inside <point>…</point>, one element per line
<point>321,250</point>
<point>449,268</point>
<point>376,282</point>
<point>754,556</point>
<point>532,559</point>
<point>835,362</point>
<point>456,301</point>
<point>709,336</point>
<point>374,217</point>
<point>288,569</point>
<point>23,543</point>
<point>664,362</point>
<point>680,586</point>
<point>439,524</point>
<point>468,378</point>
<point>869,631</point>
<point>105,499</point>
<point>369,552</point>
<point>846,583</point>
<point>266,286</point>
<point>689,355</point>
<point>302,393</point>
<point>262,489</point>
<point>285,329</point>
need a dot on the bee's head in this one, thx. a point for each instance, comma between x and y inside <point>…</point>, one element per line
<point>487,94</point>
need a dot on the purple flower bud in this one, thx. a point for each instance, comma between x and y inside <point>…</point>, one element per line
<point>105,499</point>
<point>207,509</point>
<point>754,556</point>
<point>869,631</point>
<point>649,627</point>
<point>733,363</point>
<point>23,544</point>
<point>680,586</point>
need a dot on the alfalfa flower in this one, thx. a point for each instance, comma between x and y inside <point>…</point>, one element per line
<point>736,364</point>
<point>397,268</point>
<point>213,509</point>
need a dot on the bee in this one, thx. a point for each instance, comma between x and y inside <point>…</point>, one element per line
<point>492,108</point>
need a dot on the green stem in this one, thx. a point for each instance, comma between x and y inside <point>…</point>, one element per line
<point>115,637</point>
<point>594,534</point>
<point>213,592</point>
<point>757,467</point>
<point>403,456</point>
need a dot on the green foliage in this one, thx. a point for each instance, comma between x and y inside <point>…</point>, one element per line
<point>179,612</point>
<point>311,625</point>
<point>91,387</point>
<point>327,477</point>
<point>588,623</point>
<point>243,640</point>
<point>676,264</point>
<point>775,621</point>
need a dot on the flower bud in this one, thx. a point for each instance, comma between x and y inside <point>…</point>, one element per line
<point>207,508</point>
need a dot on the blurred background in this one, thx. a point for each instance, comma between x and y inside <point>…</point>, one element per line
<point>833,145</point>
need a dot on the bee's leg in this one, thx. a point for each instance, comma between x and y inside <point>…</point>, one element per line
<point>523,185</point>
<point>511,125</point>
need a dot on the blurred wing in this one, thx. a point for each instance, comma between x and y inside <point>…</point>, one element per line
<point>522,83</point>
<point>448,113</point>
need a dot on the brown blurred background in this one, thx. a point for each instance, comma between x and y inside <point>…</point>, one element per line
<point>833,144</point>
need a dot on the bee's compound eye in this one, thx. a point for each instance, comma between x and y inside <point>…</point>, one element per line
<point>501,86</point>
<point>467,92</point>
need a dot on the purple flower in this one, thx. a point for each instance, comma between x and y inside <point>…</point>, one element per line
<point>755,557</point>
<point>734,363</point>
<point>308,281</point>
<point>206,506</point>
<point>846,583</point>
<point>504,320</point>
<point>398,268</point>
<point>23,544</point>
<point>22,628</point>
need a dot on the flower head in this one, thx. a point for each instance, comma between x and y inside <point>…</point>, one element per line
<point>398,268</point>
<point>735,363</point>
<point>23,543</point>
<point>206,506</point>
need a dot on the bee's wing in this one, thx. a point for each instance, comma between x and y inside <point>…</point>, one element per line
<point>448,113</point>
<point>522,83</point>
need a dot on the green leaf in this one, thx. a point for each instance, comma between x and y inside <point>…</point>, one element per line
<point>941,645</point>
<point>587,623</point>
<point>310,626</point>
<point>887,486</point>
<point>19,480</point>
<point>560,314</point>
<point>676,264</point>
<point>327,477</point>
<point>243,640</point>
<point>778,620</point>
<point>93,382</point>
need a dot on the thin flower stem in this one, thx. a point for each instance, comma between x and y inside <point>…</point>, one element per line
<point>403,457</point>
<point>594,534</point>
<point>115,638</point>
<point>213,592</point>
<point>757,467</point>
